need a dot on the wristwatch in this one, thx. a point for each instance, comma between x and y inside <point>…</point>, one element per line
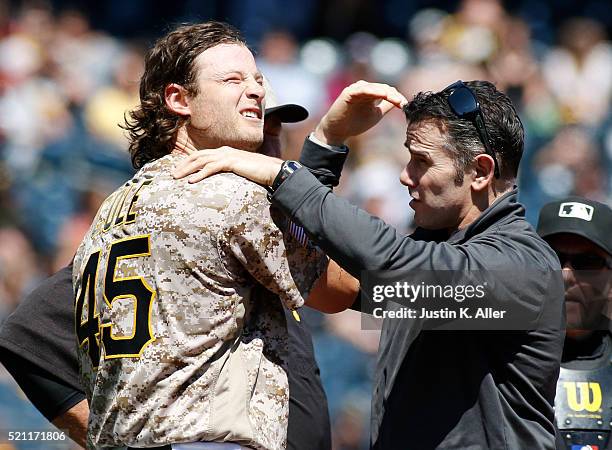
<point>286,169</point>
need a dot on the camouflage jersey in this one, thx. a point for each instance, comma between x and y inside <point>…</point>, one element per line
<point>179,338</point>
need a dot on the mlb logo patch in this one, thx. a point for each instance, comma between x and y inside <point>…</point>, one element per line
<point>576,210</point>
<point>585,447</point>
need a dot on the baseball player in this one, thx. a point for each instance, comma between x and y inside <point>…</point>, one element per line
<point>178,340</point>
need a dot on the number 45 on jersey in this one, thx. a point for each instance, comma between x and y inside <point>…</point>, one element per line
<point>90,330</point>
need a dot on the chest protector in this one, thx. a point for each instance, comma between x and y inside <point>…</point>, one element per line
<point>583,407</point>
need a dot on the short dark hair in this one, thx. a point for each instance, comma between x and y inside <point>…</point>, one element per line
<point>503,124</point>
<point>152,127</point>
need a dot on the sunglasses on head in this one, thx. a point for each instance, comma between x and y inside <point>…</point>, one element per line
<point>464,104</point>
<point>584,261</point>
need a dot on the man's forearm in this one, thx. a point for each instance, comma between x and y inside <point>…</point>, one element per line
<point>74,421</point>
<point>335,290</point>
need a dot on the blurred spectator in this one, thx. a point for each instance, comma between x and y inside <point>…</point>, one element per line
<point>32,108</point>
<point>571,164</point>
<point>472,34</point>
<point>278,60</point>
<point>107,107</point>
<point>513,66</point>
<point>84,59</point>
<point>19,270</point>
<point>579,71</point>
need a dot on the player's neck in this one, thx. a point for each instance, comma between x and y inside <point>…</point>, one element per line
<point>184,144</point>
<point>187,142</point>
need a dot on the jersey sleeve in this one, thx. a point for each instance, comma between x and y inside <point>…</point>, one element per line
<point>284,265</point>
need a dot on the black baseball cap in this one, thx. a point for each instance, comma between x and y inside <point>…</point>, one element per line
<point>587,218</point>
<point>288,113</point>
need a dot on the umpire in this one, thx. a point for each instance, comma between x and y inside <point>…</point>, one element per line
<point>578,230</point>
<point>436,389</point>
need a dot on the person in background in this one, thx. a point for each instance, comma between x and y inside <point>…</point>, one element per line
<point>578,230</point>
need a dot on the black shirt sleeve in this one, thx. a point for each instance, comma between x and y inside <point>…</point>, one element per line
<point>325,164</point>
<point>49,394</point>
<point>38,346</point>
<point>353,238</point>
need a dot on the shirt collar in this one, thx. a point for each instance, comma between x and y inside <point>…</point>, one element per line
<point>503,206</point>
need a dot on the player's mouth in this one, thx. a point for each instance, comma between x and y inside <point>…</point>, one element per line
<point>253,114</point>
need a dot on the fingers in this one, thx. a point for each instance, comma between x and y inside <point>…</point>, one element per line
<point>384,106</point>
<point>191,164</point>
<point>196,161</point>
<point>209,169</point>
<point>365,90</point>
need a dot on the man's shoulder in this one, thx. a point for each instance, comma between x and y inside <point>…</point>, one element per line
<point>161,169</point>
<point>217,192</point>
<point>514,240</point>
<point>521,234</point>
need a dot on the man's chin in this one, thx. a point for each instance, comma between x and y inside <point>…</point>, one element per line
<point>428,222</point>
<point>249,144</point>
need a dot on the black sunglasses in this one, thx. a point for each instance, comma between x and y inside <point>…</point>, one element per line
<point>464,104</point>
<point>584,261</point>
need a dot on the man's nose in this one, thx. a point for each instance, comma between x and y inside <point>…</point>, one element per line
<point>255,90</point>
<point>406,179</point>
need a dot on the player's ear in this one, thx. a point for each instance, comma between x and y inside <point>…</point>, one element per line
<point>176,99</point>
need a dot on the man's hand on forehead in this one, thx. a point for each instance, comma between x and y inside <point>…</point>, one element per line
<point>359,107</point>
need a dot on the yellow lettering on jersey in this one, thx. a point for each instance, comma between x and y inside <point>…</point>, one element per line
<point>590,395</point>
<point>101,221</point>
<point>117,214</point>
<point>119,218</point>
<point>131,215</point>
<point>113,212</point>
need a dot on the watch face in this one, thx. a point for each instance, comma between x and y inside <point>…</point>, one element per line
<point>287,169</point>
<point>293,166</point>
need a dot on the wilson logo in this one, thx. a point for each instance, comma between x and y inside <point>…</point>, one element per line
<point>583,396</point>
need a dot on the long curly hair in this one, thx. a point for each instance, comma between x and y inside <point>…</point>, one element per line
<point>152,126</point>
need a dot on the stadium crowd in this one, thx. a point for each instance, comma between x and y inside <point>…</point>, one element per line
<point>65,85</point>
